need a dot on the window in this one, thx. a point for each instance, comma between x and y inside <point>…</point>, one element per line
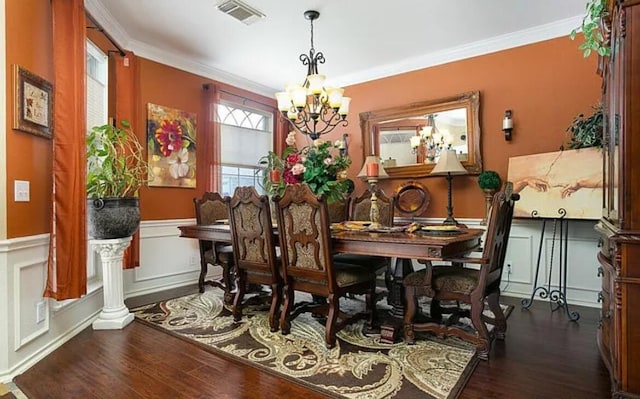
<point>245,136</point>
<point>97,104</point>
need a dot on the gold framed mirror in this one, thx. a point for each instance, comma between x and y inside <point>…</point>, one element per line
<point>409,138</point>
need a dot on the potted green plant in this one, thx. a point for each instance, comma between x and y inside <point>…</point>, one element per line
<point>586,131</point>
<point>272,176</point>
<point>591,28</point>
<point>489,181</point>
<point>116,169</point>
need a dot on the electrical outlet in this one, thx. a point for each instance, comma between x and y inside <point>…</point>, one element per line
<point>21,190</point>
<point>193,260</point>
<point>41,310</point>
<point>508,268</point>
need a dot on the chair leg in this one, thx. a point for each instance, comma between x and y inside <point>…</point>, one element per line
<point>435,310</point>
<point>276,298</point>
<point>332,317</point>
<point>285,323</point>
<point>203,273</point>
<point>500,321</point>
<point>227,280</point>
<point>409,314</point>
<point>241,277</point>
<point>371,305</point>
<point>477,306</point>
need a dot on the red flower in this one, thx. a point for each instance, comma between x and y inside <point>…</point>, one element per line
<point>293,159</point>
<point>290,178</point>
<point>169,136</point>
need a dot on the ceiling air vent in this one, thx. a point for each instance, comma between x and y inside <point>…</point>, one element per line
<point>240,11</point>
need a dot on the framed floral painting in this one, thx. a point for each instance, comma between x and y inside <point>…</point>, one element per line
<point>171,138</point>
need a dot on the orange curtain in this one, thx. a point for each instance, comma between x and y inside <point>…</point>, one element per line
<point>125,104</point>
<point>67,271</point>
<point>210,147</point>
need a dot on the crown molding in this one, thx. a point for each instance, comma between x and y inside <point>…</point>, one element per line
<point>153,53</point>
<point>108,22</point>
<point>515,39</point>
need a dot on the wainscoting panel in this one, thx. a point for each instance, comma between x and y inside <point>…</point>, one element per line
<point>29,280</point>
<point>25,340</point>
<point>582,280</point>
<point>166,259</point>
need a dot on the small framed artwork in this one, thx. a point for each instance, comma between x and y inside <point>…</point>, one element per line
<point>33,105</point>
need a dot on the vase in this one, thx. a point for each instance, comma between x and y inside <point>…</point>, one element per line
<point>274,176</point>
<point>110,218</point>
<point>488,198</point>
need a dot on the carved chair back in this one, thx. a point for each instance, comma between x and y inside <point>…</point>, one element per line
<point>305,239</point>
<point>360,208</point>
<point>254,249</point>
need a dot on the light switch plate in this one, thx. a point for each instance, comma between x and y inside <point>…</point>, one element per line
<point>21,190</point>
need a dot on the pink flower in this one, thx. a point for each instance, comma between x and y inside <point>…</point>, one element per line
<point>297,169</point>
<point>291,139</point>
<point>328,161</point>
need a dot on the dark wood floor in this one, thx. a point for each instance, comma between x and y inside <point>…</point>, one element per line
<point>544,356</point>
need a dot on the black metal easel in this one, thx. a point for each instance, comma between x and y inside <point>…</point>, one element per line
<point>557,295</point>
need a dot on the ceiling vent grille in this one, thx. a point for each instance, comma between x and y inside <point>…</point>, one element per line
<point>240,11</point>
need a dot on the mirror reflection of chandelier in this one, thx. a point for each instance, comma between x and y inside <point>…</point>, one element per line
<point>310,107</point>
<point>431,140</point>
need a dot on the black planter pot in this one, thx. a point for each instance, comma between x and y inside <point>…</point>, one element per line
<point>113,217</point>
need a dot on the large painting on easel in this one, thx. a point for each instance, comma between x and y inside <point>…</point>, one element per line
<point>569,180</point>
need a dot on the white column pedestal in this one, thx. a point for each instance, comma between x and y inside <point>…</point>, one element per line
<point>114,315</point>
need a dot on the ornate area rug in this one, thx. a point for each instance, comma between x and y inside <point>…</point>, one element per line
<point>359,366</point>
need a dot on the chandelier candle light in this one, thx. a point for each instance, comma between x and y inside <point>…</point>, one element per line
<point>310,107</point>
<point>372,172</point>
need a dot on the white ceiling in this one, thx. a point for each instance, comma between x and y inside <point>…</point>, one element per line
<point>361,39</point>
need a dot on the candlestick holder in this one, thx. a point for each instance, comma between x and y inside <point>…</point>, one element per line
<point>372,172</point>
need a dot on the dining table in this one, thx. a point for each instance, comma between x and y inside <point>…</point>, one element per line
<point>422,244</point>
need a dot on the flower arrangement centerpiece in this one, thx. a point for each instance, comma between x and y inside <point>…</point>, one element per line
<point>320,165</point>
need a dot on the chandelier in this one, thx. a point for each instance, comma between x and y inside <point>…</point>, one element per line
<point>431,141</point>
<point>310,107</point>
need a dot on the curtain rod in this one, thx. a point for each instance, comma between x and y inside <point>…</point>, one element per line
<point>206,87</point>
<point>100,29</point>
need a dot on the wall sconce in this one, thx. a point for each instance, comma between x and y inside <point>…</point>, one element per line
<point>507,125</point>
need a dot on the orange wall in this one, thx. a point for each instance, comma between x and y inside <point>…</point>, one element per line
<point>29,157</point>
<point>545,84</point>
<point>174,88</point>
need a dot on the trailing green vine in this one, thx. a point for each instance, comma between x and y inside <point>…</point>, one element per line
<point>592,31</point>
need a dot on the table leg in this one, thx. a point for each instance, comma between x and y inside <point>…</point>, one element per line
<point>393,325</point>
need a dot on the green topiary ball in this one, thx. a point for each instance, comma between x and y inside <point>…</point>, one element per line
<point>489,180</point>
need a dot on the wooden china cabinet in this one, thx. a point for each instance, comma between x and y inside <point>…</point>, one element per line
<point>619,333</point>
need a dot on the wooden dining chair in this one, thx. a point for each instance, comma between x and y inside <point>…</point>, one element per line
<point>339,210</point>
<point>254,249</point>
<point>360,207</point>
<point>359,210</point>
<point>308,265</point>
<point>465,284</point>
<point>209,209</point>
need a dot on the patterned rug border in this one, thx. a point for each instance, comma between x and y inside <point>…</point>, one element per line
<point>245,362</point>
<point>455,389</point>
